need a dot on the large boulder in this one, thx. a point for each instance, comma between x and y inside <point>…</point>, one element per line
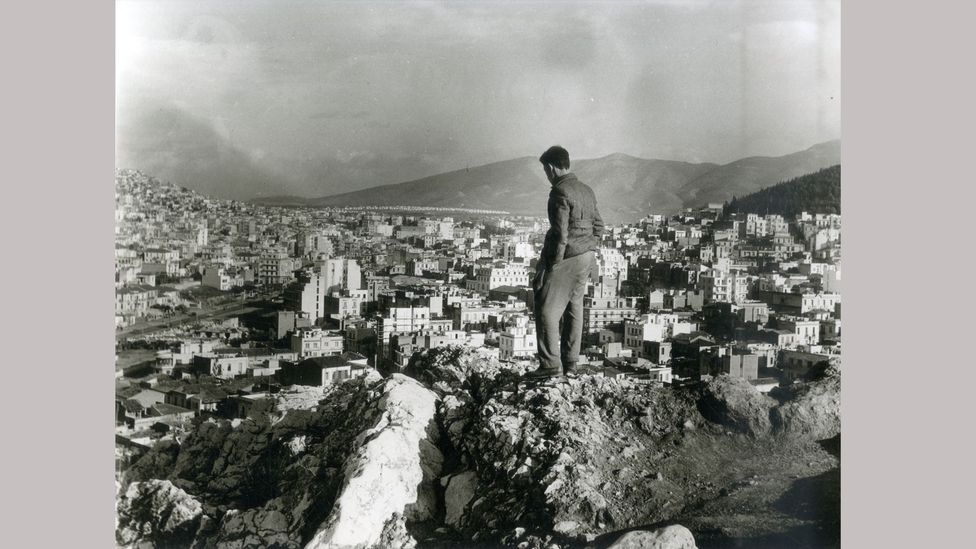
<point>809,409</point>
<point>155,512</point>
<point>734,403</point>
<point>385,474</point>
<point>669,537</point>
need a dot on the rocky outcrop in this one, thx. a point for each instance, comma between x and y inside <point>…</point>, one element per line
<point>809,409</point>
<point>394,458</point>
<point>544,459</point>
<point>736,404</point>
<point>669,537</point>
<point>282,483</point>
<point>459,452</point>
<point>157,513</point>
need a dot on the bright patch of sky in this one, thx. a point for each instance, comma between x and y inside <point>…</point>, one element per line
<point>315,98</point>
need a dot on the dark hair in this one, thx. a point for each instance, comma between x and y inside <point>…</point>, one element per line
<point>557,156</point>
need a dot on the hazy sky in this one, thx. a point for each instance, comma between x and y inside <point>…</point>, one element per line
<point>314,98</point>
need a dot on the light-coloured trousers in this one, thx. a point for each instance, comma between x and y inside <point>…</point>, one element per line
<point>559,311</point>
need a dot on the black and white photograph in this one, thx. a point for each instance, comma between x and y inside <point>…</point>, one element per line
<point>517,274</point>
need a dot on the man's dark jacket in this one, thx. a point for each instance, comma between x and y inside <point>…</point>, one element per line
<point>575,225</point>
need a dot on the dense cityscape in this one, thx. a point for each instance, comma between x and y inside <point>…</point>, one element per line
<point>226,309</point>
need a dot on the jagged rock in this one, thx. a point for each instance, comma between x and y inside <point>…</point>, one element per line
<point>157,512</point>
<point>736,404</point>
<point>810,409</point>
<point>669,537</point>
<point>394,535</point>
<point>460,491</point>
<point>382,477</point>
<point>256,528</point>
<point>647,421</point>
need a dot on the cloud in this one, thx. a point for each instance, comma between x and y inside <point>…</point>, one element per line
<point>178,147</point>
<point>339,96</point>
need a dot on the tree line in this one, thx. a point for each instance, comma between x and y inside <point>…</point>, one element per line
<point>818,192</point>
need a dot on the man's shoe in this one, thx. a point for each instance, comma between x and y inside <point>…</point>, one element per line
<point>570,369</point>
<point>543,373</point>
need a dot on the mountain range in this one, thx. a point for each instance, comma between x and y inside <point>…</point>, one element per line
<point>627,187</point>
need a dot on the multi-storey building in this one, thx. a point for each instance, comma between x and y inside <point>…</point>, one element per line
<point>499,274</point>
<point>807,331</point>
<point>517,341</point>
<point>307,294</point>
<point>274,269</point>
<point>601,312</point>
<point>350,303</point>
<point>398,320</point>
<point>654,327</point>
<point>313,341</point>
<point>611,263</point>
<point>220,278</point>
<point>724,286</point>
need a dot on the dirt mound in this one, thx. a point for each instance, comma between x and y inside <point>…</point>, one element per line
<point>809,409</point>
<point>736,404</point>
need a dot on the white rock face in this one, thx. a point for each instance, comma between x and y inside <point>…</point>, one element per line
<point>669,537</point>
<point>298,444</point>
<point>384,478</point>
<point>460,491</point>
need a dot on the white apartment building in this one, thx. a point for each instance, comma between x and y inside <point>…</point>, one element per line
<point>500,274</point>
<point>518,341</point>
<point>350,303</point>
<point>612,263</point>
<point>831,279</point>
<point>518,250</point>
<point>400,320</point>
<point>807,331</point>
<point>813,302</point>
<point>661,374</point>
<point>756,225</point>
<point>722,286</point>
<point>654,327</point>
<point>638,330</point>
<point>217,277</point>
<point>599,312</point>
<point>311,342</point>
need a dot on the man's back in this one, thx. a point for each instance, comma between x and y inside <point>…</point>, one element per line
<point>575,222</point>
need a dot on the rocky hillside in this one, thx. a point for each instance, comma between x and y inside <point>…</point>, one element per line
<point>455,453</point>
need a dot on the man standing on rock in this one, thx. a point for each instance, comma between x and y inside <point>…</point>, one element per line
<point>568,255</point>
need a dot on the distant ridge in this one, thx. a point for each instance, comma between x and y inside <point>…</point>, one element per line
<point>818,192</point>
<point>627,187</point>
